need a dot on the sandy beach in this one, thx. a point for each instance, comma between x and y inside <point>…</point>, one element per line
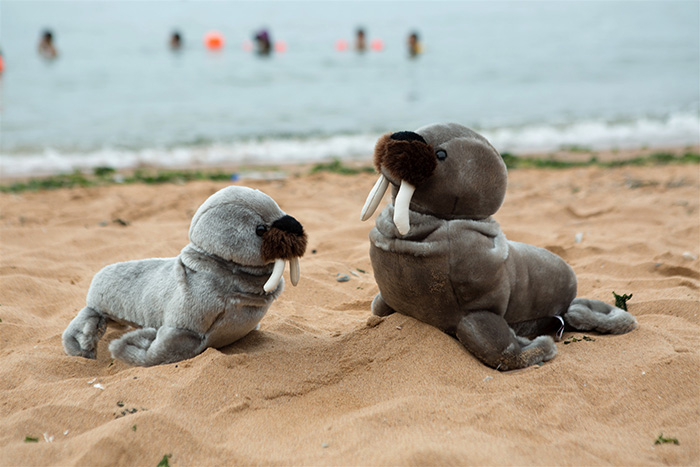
<point>324,383</point>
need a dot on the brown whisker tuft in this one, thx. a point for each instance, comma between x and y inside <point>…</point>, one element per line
<point>286,239</point>
<point>405,158</point>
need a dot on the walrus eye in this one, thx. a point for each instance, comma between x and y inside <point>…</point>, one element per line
<point>260,230</point>
<point>441,154</point>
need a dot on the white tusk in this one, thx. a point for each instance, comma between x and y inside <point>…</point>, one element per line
<point>401,204</point>
<point>294,271</point>
<point>374,198</point>
<point>275,277</point>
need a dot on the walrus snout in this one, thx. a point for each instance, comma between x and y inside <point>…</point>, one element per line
<point>405,156</point>
<point>284,240</point>
<point>288,224</point>
<point>408,160</point>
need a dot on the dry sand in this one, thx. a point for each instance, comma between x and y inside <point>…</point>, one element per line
<point>322,384</point>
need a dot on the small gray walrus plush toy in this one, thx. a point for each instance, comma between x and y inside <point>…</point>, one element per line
<point>439,256</point>
<point>213,293</point>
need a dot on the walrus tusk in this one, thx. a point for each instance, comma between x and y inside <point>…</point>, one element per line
<point>294,272</point>
<point>401,204</point>
<point>275,277</point>
<point>374,198</point>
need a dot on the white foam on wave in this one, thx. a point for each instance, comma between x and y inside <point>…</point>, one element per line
<point>262,152</point>
<point>675,130</point>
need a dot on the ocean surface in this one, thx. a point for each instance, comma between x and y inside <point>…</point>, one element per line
<point>530,75</point>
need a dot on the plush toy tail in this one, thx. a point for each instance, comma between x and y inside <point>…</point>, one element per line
<point>593,315</point>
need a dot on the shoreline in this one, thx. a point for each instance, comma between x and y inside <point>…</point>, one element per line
<point>155,174</point>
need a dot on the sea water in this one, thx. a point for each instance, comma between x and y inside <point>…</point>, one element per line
<point>530,75</point>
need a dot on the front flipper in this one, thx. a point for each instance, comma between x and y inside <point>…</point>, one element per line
<point>380,308</point>
<point>148,346</point>
<point>594,315</point>
<point>82,334</point>
<point>491,340</point>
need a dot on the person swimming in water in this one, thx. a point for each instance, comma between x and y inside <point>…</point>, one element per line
<point>175,40</point>
<point>414,47</point>
<point>263,43</point>
<point>360,40</point>
<point>46,46</point>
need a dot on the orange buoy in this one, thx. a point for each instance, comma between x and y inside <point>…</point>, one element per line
<point>377,45</point>
<point>341,45</point>
<point>280,46</point>
<point>214,40</point>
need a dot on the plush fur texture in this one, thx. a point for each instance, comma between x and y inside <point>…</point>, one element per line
<point>406,158</point>
<point>456,270</point>
<point>285,239</point>
<point>210,295</point>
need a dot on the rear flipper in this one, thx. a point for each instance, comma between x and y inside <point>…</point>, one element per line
<point>82,334</point>
<point>148,346</point>
<point>380,308</point>
<point>593,315</point>
<point>491,340</point>
<point>548,325</point>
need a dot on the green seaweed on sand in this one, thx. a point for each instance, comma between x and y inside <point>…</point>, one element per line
<point>103,172</point>
<point>175,176</point>
<point>521,162</point>
<point>576,339</point>
<point>31,439</point>
<point>621,300</point>
<point>164,461</point>
<point>576,148</point>
<point>662,440</point>
<point>57,181</point>
<point>662,158</point>
<point>336,166</point>
<point>107,176</point>
<point>102,176</point>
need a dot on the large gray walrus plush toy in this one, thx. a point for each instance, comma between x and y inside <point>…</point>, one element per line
<point>439,256</point>
<point>215,292</point>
